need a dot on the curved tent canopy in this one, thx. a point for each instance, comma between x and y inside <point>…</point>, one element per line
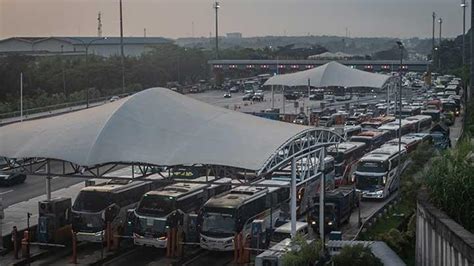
<point>332,74</point>
<point>156,126</point>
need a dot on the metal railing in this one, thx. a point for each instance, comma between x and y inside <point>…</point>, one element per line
<point>59,108</point>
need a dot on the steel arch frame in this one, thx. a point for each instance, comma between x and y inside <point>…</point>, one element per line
<point>300,146</point>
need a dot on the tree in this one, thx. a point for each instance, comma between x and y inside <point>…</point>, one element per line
<point>356,255</point>
<point>303,253</point>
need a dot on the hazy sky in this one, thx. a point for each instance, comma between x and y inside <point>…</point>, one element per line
<point>175,18</point>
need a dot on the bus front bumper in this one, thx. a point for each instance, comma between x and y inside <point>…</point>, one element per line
<point>217,244</point>
<point>96,237</point>
<point>160,242</point>
<point>373,195</point>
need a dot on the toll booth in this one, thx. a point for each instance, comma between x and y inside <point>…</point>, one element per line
<point>192,232</point>
<point>53,220</point>
<point>258,234</point>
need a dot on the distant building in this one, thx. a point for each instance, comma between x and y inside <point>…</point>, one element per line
<point>234,35</point>
<point>107,46</point>
<point>332,56</point>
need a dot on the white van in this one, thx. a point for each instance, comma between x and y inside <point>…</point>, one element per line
<point>284,231</point>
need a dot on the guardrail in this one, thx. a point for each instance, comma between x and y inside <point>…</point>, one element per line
<point>69,106</point>
<point>384,209</point>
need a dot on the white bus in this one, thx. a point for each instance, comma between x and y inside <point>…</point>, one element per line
<point>377,174</point>
<point>174,203</point>
<point>231,213</point>
<point>98,204</point>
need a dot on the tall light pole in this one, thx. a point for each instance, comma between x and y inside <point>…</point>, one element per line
<point>86,47</point>
<point>433,41</point>
<point>463,6</point>
<point>216,7</point>
<point>121,49</point>
<point>400,45</point>
<point>440,21</point>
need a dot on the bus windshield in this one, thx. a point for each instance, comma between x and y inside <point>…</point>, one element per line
<point>92,201</point>
<point>371,167</point>
<point>156,205</point>
<point>368,182</point>
<point>218,221</point>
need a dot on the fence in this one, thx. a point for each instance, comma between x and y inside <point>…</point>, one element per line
<point>439,239</point>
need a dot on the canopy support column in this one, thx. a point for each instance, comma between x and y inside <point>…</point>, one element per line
<point>293,197</point>
<point>48,182</point>
<point>322,190</point>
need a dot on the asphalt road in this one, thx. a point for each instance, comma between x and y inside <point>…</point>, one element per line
<point>236,102</point>
<point>35,186</point>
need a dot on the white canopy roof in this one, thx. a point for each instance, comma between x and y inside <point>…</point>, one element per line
<point>332,74</point>
<point>156,126</point>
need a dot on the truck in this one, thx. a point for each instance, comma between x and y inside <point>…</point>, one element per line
<point>338,207</point>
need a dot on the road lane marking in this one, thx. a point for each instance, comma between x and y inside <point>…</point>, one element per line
<point>5,192</point>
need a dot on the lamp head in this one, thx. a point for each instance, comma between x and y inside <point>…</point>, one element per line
<point>400,44</point>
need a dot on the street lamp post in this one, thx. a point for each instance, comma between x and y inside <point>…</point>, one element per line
<point>216,7</point>
<point>433,41</point>
<point>122,59</point>
<point>463,6</point>
<point>86,46</point>
<point>440,21</point>
<point>400,45</point>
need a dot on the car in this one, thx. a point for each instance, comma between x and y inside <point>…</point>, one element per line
<point>291,96</point>
<point>247,97</point>
<point>114,98</point>
<point>227,95</point>
<point>234,89</point>
<point>258,96</point>
<point>10,179</point>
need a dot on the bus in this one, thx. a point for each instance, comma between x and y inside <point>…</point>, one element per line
<point>393,128</point>
<point>372,139</point>
<point>345,155</point>
<point>173,203</point>
<point>409,143</point>
<point>376,122</point>
<point>108,202</point>
<point>223,216</point>
<point>307,188</point>
<point>377,174</point>
<point>422,122</point>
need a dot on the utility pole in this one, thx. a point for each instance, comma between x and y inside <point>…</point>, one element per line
<point>463,6</point>
<point>144,32</point>
<point>216,7</point>
<point>99,25</point>
<point>121,48</point>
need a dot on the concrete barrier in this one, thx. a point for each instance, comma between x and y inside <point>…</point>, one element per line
<point>439,239</point>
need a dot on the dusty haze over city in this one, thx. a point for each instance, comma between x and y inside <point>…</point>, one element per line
<point>187,18</point>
